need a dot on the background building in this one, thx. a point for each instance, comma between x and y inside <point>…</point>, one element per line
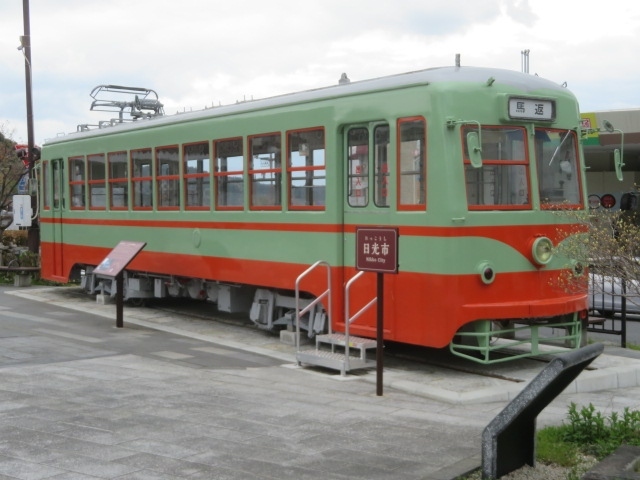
<point>599,149</point>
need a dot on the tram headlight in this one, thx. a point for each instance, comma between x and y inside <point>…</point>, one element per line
<point>542,250</point>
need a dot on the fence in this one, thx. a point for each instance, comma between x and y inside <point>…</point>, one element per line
<point>608,306</point>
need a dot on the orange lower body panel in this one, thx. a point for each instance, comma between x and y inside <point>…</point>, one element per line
<point>419,309</point>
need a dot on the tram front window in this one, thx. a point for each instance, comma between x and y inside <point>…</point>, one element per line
<point>502,182</point>
<point>558,173</point>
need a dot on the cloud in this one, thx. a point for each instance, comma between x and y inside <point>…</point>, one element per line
<point>196,53</point>
<point>520,11</point>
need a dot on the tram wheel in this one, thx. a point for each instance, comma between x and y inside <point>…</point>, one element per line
<point>137,302</point>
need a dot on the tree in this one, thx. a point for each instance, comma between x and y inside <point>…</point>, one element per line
<point>11,171</point>
<point>607,243</point>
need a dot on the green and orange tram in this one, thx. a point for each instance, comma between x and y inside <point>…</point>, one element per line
<point>470,165</point>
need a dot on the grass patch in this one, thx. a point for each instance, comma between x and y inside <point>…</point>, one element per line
<point>553,448</point>
<point>587,432</point>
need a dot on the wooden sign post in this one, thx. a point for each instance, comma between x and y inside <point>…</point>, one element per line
<point>377,251</point>
<point>113,266</point>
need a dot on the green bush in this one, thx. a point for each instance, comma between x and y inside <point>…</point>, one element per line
<point>589,433</point>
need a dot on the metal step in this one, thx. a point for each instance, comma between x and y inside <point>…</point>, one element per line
<point>335,361</point>
<point>340,339</point>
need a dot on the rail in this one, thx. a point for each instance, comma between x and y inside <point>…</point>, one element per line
<point>19,269</point>
<point>348,321</point>
<point>22,274</point>
<point>326,293</point>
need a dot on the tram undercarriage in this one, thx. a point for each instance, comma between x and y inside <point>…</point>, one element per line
<point>483,341</point>
<point>268,309</point>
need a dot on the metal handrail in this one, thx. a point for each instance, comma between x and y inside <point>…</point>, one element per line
<point>326,293</point>
<point>348,320</point>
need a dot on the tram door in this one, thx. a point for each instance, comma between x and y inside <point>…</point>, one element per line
<point>57,208</point>
<point>365,203</point>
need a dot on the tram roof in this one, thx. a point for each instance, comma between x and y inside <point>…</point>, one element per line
<point>438,75</point>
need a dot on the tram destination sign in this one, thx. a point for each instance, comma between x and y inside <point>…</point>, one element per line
<point>377,249</point>
<point>532,109</point>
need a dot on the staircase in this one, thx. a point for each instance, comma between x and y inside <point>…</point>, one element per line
<point>337,351</point>
<point>325,354</point>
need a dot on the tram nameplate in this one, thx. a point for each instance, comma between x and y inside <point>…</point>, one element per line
<point>377,249</point>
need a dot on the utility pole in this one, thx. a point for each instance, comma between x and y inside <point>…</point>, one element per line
<point>33,235</point>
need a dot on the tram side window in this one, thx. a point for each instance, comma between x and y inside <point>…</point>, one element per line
<point>229,174</point>
<point>358,165</point>
<point>46,201</point>
<point>502,183</point>
<point>57,184</point>
<point>197,171</point>
<point>381,165</point>
<point>412,152</point>
<point>97,179</point>
<point>168,177</point>
<point>265,172</point>
<point>118,185</point>
<point>306,169</point>
<point>141,178</point>
<point>77,178</point>
<point>558,173</point>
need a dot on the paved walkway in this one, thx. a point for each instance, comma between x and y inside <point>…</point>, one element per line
<point>173,395</point>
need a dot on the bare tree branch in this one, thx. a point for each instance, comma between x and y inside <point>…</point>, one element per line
<point>11,169</point>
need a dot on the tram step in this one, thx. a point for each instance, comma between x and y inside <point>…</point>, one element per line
<point>341,340</point>
<point>335,361</point>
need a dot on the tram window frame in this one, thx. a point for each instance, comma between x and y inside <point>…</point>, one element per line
<point>140,160</point>
<point>97,167</point>
<point>270,195</point>
<point>57,186</point>
<point>46,199</point>
<point>168,177</point>
<point>306,169</point>
<point>197,184</point>
<point>564,167</point>
<point>382,174</point>
<point>358,173</point>
<point>412,163</point>
<point>229,193</point>
<point>77,182</point>
<point>495,168</point>
<point>118,179</point>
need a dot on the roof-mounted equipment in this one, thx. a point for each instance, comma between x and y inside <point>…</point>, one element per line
<point>139,102</point>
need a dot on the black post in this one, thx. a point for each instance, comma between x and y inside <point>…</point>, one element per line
<point>623,316</point>
<point>380,335</point>
<point>119,299</point>
<point>33,234</point>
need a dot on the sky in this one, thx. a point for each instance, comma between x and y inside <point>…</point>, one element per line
<point>197,53</point>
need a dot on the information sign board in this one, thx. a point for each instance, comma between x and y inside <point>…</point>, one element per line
<point>119,258</point>
<point>377,249</point>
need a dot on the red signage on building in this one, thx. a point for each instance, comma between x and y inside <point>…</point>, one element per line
<point>377,249</point>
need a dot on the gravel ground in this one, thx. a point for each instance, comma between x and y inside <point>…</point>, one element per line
<point>545,472</point>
